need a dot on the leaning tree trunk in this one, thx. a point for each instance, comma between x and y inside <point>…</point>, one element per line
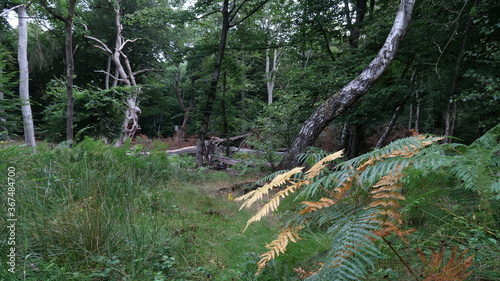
<point>29,129</point>
<point>342,100</point>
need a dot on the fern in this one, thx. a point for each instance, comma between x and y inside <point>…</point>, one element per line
<point>358,201</point>
<point>279,180</point>
<point>257,194</point>
<point>278,246</point>
<point>454,270</point>
<point>352,251</point>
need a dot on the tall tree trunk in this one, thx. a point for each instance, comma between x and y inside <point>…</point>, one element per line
<point>224,113</point>
<point>355,132</point>
<point>450,117</point>
<point>201,152</point>
<point>271,73</point>
<point>70,70</point>
<point>4,133</point>
<point>29,129</point>
<point>342,100</point>
<point>181,133</point>
<point>354,30</point>
<point>70,67</point>
<point>343,137</point>
<point>354,34</point>
<point>389,127</point>
<point>417,112</point>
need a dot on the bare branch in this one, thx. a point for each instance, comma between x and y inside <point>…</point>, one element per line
<point>146,70</point>
<point>107,73</point>
<point>102,46</point>
<point>11,9</point>
<point>127,41</point>
<point>237,10</point>
<point>208,14</point>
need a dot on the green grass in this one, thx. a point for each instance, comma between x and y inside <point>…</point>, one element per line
<point>95,212</point>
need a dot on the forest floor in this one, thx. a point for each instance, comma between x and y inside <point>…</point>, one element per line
<point>98,213</point>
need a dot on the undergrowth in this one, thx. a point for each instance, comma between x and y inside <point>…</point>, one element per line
<point>414,210</point>
<point>95,212</point>
<point>384,212</point>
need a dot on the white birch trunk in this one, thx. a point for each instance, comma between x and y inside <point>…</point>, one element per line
<point>29,129</point>
<point>271,73</point>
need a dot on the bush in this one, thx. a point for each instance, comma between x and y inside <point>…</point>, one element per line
<point>97,113</point>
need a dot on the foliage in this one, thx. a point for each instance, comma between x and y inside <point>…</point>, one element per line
<point>455,269</point>
<point>10,115</point>
<point>359,201</point>
<point>97,112</point>
<point>95,212</point>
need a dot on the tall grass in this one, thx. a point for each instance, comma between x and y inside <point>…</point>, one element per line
<point>95,212</point>
<point>78,212</point>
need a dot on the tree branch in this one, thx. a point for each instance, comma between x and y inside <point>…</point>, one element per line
<point>11,9</point>
<point>146,70</point>
<point>102,45</point>
<point>51,11</point>
<point>107,73</point>
<point>249,14</point>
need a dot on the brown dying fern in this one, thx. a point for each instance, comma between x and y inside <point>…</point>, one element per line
<point>386,194</point>
<point>454,270</point>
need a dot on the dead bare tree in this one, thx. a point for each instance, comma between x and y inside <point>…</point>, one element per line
<point>130,124</point>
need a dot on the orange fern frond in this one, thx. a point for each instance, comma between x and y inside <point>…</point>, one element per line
<point>305,274</point>
<point>314,206</point>
<point>316,169</point>
<point>257,194</point>
<point>344,186</point>
<point>278,246</point>
<point>387,194</point>
<point>454,270</point>
<point>366,164</point>
<point>273,204</point>
<point>389,228</point>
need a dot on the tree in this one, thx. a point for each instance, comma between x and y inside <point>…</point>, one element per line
<point>343,99</point>
<point>70,67</point>
<point>229,19</point>
<point>29,129</point>
<point>130,124</point>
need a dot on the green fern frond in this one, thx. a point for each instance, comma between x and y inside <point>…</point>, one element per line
<point>490,140</point>
<point>311,155</point>
<point>353,251</point>
<point>495,190</point>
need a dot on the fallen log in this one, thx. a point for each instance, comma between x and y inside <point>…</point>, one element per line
<point>184,150</point>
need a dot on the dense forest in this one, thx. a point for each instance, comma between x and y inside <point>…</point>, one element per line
<point>405,94</point>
